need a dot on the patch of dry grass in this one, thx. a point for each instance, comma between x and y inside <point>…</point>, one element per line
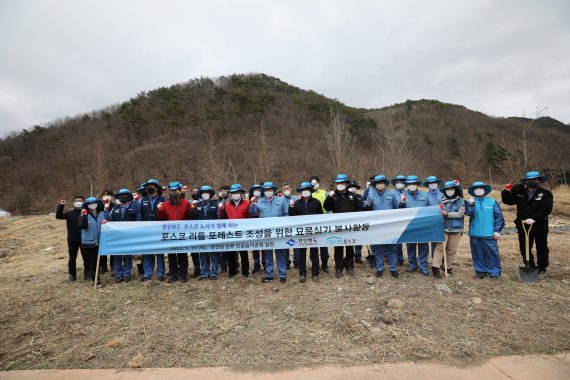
<point>47,322</point>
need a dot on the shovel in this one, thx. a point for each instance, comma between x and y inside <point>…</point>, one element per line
<point>526,273</point>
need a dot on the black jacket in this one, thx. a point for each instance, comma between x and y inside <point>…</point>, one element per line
<point>537,207</point>
<point>72,220</point>
<point>311,207</point>
<point>343,202</point>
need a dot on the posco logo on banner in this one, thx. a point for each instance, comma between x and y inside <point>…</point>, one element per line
<point>333,240</point>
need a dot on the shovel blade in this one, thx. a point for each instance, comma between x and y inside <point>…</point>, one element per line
<point>528,274</point>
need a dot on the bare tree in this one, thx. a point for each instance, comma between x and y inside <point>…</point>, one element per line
<point>339,142</point>
<point>265,165</point>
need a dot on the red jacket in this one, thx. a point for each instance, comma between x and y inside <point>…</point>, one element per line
<point>231,211</point>
<point>179,210</point>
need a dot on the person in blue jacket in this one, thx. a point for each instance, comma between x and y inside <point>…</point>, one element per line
<point>432,183</point>
<point>353,188</point>
<point>125,211</point>
<point>399,183</point>
<point>271,206</point>
<point>256,191</point>
<point>412,197</point>
<point>380,198</point>
<point>485,224</point>
<point>453,212</point>
<point>207,209</point>
<point>147,210</point>
<point>89,221</point>
<point>286,193</point>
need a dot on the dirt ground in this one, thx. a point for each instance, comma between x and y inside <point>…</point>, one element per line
<point>245,325</point>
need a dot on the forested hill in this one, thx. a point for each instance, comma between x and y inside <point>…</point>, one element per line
<point>248,128</point>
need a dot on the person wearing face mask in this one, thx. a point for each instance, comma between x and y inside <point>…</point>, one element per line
<point>237,207</point>
<point>321,195</point>
<point>71,218</point>
<point>432,183</point>
<point>534,204</point>
<point>286,193</point>
<point>141,191</point>
<point>370,259</point>
<point>148,211</point>
<point>353,188</point>
<point>107,196</point>
<point>224,196</point>
<point>485,224</point>
<point>256,191</point>
<point>412,197</point>
<point>399,186</point>
<point>90,220</point>
<point>207,209</point>
<point>176,208</point>
<point>339,201</point>
<point>126,211</point>
<point>379,197</point>
<point>453,212</point>
<point>307,205</point>
<point>267,207</point>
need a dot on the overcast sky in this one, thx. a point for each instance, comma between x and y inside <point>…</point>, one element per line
<point>503,58</point>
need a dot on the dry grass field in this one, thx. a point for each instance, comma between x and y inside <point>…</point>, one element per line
<point>47,322</point>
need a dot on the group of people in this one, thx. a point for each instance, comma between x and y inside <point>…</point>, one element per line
<point>534,204</point>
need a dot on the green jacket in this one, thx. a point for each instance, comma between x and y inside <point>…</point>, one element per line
<point>320,195</point>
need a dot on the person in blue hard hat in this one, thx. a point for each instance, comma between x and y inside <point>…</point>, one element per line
<point>417,252</point>
<point>270,205</point>
<point>534,204</point>
<point>148,211</point>
<point>453,212</point>
<point>432,183</point>
<point>126,211</point>
<point>485,224</point>
<point>256,191</point>
<point>399,183</point>
<point>339,201</point>
<point>307,205</point>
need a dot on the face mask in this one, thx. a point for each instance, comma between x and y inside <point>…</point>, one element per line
<point>257,193</point>
<point>151,190</point>
<point>413,187</point>
<point>433,186</point>
<point>118,202</point>
<point>532,184</point>
<point>225,194</point>
<point>380,186</point>
<point>268,194</point>
<point>306,194</point>
<point>340,187</point>
<point>206,197</point>
<point>315,185</point>
<point>144,193</point>
<point>123,199</point>
<point>400,185</point>
<point>77,204</point>
<point>174,196</point>
<point>352,189</point>
<point>287,193</point>
<point>236,197</point>
<point>449,193</point>
<point>479,192</point>
<point>92,206</point>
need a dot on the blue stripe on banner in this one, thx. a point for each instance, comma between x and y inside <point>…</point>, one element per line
<point>424,227</point>
<point>353,228</point>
